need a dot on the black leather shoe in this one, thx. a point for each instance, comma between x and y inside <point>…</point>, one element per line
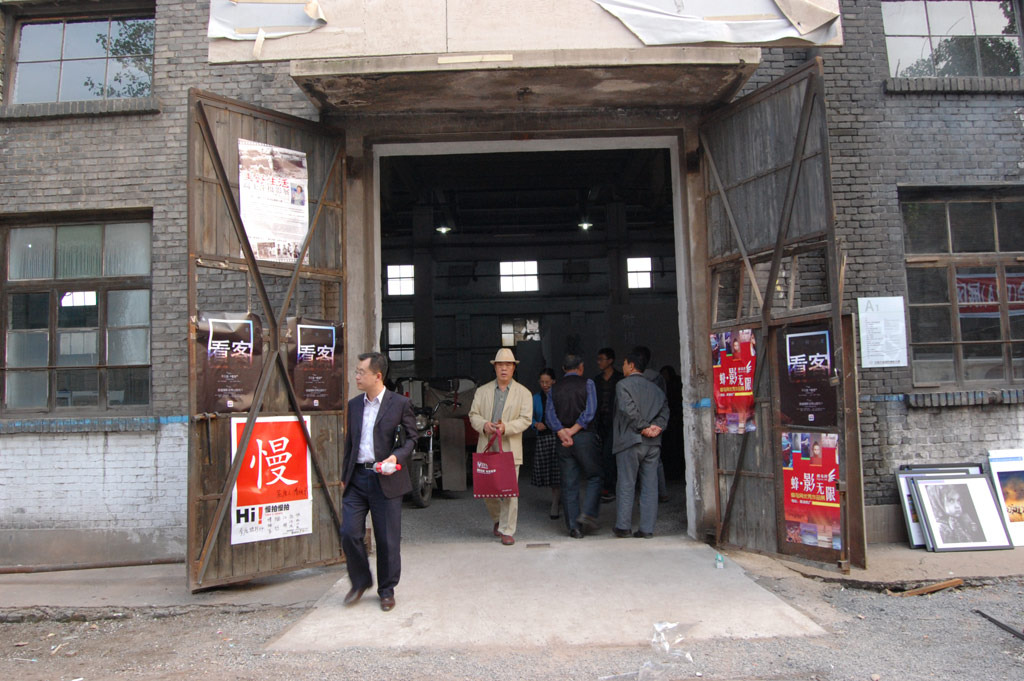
<point>621,533</point>
<point>387,603</point>
<point>643,535</point>
<point>353,596</point>
<point>576,533</point>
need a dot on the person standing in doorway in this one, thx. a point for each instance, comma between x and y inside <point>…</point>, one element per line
<point>505,407</point>
<point>641,413</point>
<point>570,414</point>
<point>544,472</point>
<point>604,382</point>
<point>657,379</point>
<point>380,428</point>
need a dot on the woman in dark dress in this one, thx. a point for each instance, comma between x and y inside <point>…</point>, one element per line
<point>545,457</point>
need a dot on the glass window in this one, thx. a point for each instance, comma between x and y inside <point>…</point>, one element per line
<point>76,336</point>
<point>519,276</point>
<point>966,305</point>
<point>401,280</point>
<point>516,329</point>
<point>401,341</point>
<point>638,272</point>
<point>103,57</point>
<point>948,38</point>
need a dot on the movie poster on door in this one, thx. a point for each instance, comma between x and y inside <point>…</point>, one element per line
<point>229,352</point>
<point>316,363</point>
<point>734,360</point>
<point>806,395</point>
<point>272,497</point>
<point>810,467</point>
<point>272,186</point>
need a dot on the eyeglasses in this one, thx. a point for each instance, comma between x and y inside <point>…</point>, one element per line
<point>362,372</point>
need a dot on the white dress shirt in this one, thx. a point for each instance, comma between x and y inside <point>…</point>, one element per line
<point>370,410</point>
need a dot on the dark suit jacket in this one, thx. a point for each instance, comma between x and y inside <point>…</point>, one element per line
<point>394,410</point>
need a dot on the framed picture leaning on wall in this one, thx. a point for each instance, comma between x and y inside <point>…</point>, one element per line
<point>960,513</point>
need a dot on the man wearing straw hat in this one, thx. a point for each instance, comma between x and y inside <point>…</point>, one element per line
<point>506,407</point>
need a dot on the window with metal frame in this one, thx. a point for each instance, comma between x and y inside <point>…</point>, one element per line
<point>76,317</point>
<point>518,277</point>
<point>638,272</point>
<point>401,280</point>
<point>80,58</point>
<point>401,341</point>
<point>514,330</point>
<point>950,38</point>
<point>965,290</point>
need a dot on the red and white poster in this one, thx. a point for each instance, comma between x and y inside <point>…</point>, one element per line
<point>810,467</point>
<point>273,495</point>
<point>733,359</point>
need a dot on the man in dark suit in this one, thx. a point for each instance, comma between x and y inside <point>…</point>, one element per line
<point>376,420</point>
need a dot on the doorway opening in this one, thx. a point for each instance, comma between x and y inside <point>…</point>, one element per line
<point>547,247</point>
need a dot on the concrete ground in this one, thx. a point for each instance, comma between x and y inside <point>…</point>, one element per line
<point>461,588</point>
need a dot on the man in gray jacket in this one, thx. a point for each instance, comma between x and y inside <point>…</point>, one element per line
<point>641,413</point>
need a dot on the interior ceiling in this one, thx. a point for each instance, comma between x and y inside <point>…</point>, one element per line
<point>540,196</point>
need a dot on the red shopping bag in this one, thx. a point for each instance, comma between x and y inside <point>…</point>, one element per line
<point>494,473</point>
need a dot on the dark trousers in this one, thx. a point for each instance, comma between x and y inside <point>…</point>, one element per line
<point>363,494</point>
<point>578,464</point>
<point>610,467</point>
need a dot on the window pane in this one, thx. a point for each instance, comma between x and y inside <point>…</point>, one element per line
<point>927,285</point>
<point>933,364</point>
<point>994,18</point>
<point>1010,219</point>
<point>77,388</point>
<point>129,77</point>
<point>28,348</point>
<point>78,309</point>
<point>31,255</point>
<point>131,36</point>
<point>40,41</point>
<point>925,227</point>
<point>1017,321</point>
<point>954,57</point>
<point>970,225</point>
<point>904,18</point>
<point>85,39</point>
<point>909,57</point>
<point>1015,284</point>
<point>36,82</point>
<point>1017,352</point>
<point>27,389</point>
<point>79,250</point>
<point>127,387</point>
<point>977,285</point>
<point>82,80</point>
<point>127,346</point>
<point>128,308</point>
<point>931,324</point>
<point>29,311</point>
<point>983,362</point>
<point>77,348</point>
<point>978,323</point>
<point>126,249</point>
<point>950,18</point>
<point>999,57</point>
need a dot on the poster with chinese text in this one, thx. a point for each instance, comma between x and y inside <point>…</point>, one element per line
<point>316,363</point>
<point>734,359</point>
<point>272,185</point>
<point>810,467</point>
<point>883,332</point>
<point>229,351</point>
<point>807,397</point>
<point>273,495</point>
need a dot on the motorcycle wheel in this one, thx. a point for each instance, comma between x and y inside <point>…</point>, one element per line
<point>422,484</point>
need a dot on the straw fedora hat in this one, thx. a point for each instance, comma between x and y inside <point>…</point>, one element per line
<point>504,355</point>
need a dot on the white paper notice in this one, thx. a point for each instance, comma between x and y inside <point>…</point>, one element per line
<point>272,184</point>
<point>883,332</point>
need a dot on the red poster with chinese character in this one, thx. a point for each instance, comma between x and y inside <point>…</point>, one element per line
<point>810,466</point>
<point>733,359</point>
<point>272,497</point>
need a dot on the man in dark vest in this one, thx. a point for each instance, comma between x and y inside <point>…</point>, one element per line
<point>570,415</point>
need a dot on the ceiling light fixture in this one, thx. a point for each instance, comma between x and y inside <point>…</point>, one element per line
<point>442,229</point>
<point>585,224</point>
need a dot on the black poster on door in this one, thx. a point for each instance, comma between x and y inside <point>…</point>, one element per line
<point>316,361</point>
<point>229,351</point>
<point>807,397</point>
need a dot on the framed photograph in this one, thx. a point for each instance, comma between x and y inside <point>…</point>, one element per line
<point>1006,466</point>
<point>960,513</point>
<point>972,468</point>
<point>915,531</point>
